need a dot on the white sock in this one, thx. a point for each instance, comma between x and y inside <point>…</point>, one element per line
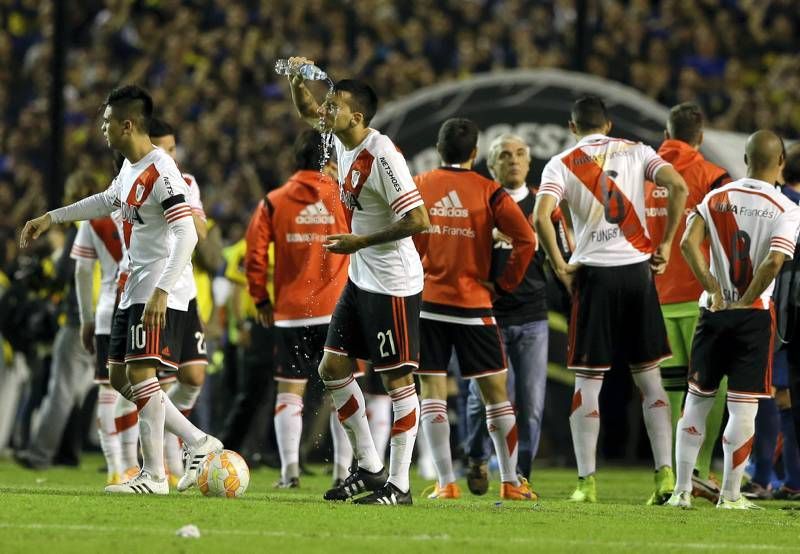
<point>183,397</point>
<point>107,430</point>
<point>126,423</point>
<point>379,409</point>
<point>691,432</point>
<point>737,442</point>
<point>436,430</point>
<point>351,408</point>
<point>150,402</point>
<point>342,451</point>
<point>657,414</point>
<point>425,467</point>
<point>584,420</point>
<point>502,424</point>
<point>405,409</point>
<point>178,424</point>
<point>288,428</point>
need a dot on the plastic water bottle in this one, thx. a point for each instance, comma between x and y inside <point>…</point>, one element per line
<point>309,71</point>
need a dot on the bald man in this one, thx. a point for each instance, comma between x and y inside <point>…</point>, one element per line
<point>752,229</point>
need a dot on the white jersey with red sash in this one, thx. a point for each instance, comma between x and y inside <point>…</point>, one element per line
<point>603,181</point>
<point>746,219</point>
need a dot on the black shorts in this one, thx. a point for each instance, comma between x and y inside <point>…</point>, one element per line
<point>736,343</point>
<point>376,327</point>
<point>616,319</point>
<point>101,359</point>
<point>479,349</point>
<point>299,351</point>
<point>131,342</point>
<point>193,349</point>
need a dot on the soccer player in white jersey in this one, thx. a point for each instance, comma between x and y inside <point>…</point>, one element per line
<point>98,240</point>
<point>147,329</point>
<point>188,380</point>
<point>752,230</point>
<point>377,316</point>
<point>616,317</point>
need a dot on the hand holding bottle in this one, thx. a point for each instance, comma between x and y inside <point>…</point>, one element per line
<point>299,68</point>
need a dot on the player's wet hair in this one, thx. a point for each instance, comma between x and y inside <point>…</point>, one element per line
<point>362,97</point>
<point>131,102</point>
<point>160,128</point>
<point>685,123</point>
<point>458,137</point>
<point>589,113</point>
<point>308,150</point>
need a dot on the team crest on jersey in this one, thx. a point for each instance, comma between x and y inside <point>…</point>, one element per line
<point>354,177</point>
<point>140,188</point>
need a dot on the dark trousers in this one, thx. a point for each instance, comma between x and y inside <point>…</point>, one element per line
<point>249,375</point>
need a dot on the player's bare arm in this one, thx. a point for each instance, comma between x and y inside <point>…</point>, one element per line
<point>546,231</point>
<point>669,178</point>
<point>691,249</point>
<point>304,101</point>
<point>414,221</point>
<point>201,227</point>
<point>764,275</point>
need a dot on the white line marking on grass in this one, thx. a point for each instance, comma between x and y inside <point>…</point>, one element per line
<point>538,540</point>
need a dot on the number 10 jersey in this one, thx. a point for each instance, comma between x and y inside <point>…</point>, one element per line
<point>603,181</point>
<point>746,219</point>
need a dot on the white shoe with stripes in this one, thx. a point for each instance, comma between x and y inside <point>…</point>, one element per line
<point>194,457</point>
<point>141,484</point>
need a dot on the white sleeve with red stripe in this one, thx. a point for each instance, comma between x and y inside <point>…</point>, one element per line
<point>784,235</point>
<point>399,187</point>
<point>553,182</point>
<point>652,162</point>
<point>177,211</point>
<point>83,247</point>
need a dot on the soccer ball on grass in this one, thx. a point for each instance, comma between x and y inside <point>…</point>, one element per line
<point>223,474</point>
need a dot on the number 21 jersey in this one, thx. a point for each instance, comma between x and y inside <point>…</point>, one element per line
<point>603,181</point>
<point>746,219</point>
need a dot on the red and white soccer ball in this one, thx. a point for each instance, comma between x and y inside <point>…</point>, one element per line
<point>223,474</point>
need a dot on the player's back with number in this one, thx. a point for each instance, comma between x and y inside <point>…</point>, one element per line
<point>746,220</point>
<point>603,181</point>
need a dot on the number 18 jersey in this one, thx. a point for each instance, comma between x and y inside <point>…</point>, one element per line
<point>603,181</point>
<point>746,219</point>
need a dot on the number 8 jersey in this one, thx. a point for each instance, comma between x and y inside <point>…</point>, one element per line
<point>603,181</point>
<point>746,219</point>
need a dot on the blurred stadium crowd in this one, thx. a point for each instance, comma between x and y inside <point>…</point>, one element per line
<point>208,64</point>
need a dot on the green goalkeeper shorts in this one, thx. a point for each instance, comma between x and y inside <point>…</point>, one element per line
<point>680,320</point>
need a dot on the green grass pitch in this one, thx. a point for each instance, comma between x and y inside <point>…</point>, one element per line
<point>65,510</point>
